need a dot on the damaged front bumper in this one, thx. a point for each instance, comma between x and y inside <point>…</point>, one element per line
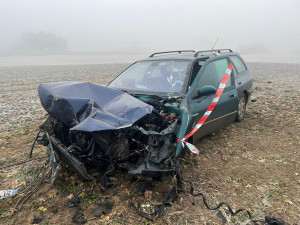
<point>154,161</point>
<point>110,129</point>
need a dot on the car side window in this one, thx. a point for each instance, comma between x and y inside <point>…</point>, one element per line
<point>238,64</point>
<point>214,73</point>
<point>196,68</point>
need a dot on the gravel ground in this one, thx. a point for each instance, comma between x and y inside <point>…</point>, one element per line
<point>253,164</point>
<point>19,101</point>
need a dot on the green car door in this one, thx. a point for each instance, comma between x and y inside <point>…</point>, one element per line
<point>201,94</point>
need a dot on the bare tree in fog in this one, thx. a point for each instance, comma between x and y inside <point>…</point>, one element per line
<point>39,43</point>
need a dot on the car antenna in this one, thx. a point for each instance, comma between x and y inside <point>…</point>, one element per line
<point>215,43</point>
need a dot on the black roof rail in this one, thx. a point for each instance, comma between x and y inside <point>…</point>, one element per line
<point>156,53</point>
<point>213,50</point>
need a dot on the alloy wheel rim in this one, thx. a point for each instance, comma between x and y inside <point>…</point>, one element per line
<point>242,104</point>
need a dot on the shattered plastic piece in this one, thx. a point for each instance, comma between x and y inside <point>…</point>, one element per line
<point>221,216</point>
<point>7,193</point>
<point>160,210</point>
<point>73,202</point>
<point>90,107</point>
<point>272,220</point>
<point>171,196</point>
<point>103,208</point>
<point>36,220</point>
<point>79,217</point>
<point>74,162</point>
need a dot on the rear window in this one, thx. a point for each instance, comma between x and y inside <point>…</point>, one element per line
<point>238,64</point>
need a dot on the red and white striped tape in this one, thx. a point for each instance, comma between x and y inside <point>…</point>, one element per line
<point>208,111</point>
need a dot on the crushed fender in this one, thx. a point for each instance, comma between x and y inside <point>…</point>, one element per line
<point>89,107</point>
<point>92,126</point>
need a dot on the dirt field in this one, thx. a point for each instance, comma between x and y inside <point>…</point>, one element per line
<point>254,164</point>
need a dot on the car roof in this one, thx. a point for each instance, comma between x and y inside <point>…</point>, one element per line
<point>189,55</point>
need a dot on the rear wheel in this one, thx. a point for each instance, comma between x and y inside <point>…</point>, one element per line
<point>241,108</point>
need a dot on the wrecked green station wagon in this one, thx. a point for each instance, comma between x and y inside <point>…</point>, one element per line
<point>134,122</point>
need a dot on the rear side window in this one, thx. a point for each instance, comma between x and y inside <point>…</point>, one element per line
<point>239,65</point>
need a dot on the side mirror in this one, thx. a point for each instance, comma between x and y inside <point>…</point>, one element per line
<point>206,90</point>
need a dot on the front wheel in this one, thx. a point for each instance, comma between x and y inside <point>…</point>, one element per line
<point>241,108</point>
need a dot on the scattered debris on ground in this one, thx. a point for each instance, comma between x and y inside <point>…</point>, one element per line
<point>103,208</point>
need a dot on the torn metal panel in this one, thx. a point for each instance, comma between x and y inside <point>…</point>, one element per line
<point>92,126</point>
<point>90,107</point>
<point>143,149</point>
<point>71,160</point>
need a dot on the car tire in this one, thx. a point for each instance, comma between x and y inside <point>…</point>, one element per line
<point>241,111</point>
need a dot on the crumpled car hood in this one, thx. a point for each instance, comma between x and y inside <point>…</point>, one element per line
<point>90,107</point>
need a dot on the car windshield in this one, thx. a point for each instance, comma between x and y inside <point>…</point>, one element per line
<point>165,76</point>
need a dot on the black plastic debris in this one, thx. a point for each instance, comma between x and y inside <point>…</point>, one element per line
<point>272,220</point>
<point>106,178</point>
<point>103,208</point>
<point>79,217</point>
<point>55,211</point>
<point>90,107</point>
<point>169,199</point>
<point>171,196</point>
<point>73,202</point>
<point>36,220</point>
<point>146,187</point>
<point>221,216</point>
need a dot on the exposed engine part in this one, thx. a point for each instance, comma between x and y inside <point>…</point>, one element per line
<point>144,148</point>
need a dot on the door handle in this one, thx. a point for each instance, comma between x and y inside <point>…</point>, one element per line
<point>239,82</point>
<point>231,96</point>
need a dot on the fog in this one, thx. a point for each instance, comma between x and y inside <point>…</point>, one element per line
<point>142,27</point>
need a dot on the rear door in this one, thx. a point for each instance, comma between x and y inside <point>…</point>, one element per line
<point>225,111</point>
<point>243,77</point>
